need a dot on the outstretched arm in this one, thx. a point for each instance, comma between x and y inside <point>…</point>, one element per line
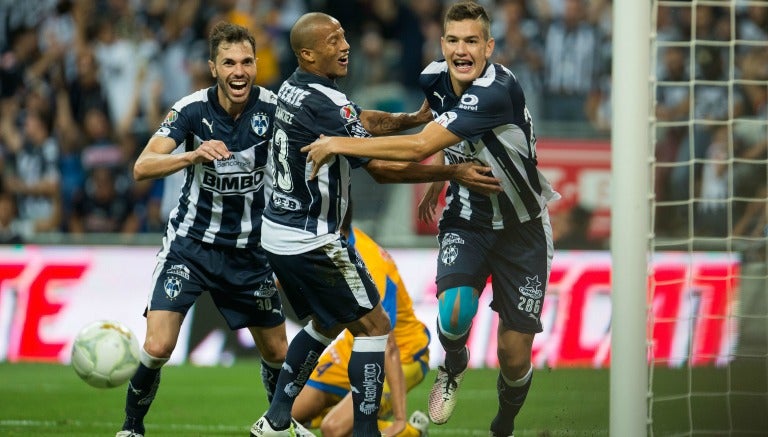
<point>385,123</point>
<point>414,147</point>
<point>473,176</point>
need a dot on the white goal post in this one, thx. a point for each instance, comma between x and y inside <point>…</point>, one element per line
<point>629,216</point>
<point>690,179</point>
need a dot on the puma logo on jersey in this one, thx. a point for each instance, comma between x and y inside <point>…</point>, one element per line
<point>208,123</point>
<point>439,97</point>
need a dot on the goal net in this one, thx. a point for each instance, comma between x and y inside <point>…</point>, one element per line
<point>709,191</point>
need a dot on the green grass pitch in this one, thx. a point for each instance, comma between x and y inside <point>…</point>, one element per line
<point>50,400</point>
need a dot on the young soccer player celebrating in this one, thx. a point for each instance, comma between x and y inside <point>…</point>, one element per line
<point>481,117</point>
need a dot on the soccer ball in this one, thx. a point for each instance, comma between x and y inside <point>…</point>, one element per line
<point>105,354</point>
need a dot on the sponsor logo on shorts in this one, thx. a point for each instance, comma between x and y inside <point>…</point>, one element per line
<point>178,270</point>
<point>451,238</point>
<point>533,288</point>
<point>172,286</point>
<point>266,289</point>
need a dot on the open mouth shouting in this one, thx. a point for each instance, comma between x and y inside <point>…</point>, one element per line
<point>238,87</point>
<point>344,60</point>
<point>463,65</point>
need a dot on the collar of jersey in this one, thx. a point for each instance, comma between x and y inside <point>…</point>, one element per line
<point>303,76</point>
<point>213,97</point>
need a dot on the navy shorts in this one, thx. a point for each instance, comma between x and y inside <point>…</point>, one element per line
<point>518,259</point>
<point>240,281</point>
<point>330,282</point>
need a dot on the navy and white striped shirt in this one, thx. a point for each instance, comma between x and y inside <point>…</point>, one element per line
<point>221,202</point>
<point>305,214</point>
<point>497,131</point>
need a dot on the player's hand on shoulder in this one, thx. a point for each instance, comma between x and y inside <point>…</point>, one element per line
<point>477,178</point>
<point>211,150</point>
<point>318,153</point>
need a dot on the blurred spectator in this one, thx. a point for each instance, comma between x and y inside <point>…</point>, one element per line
<point>84,91</point>
<point>120,60</point>
<point>10,228</point>
<point>672,105</point>
<point>711,218</point>
<point>374,69</point>
<point>753,26</point>
<point>104,204</point>
<point>712,102</point>
<point>751,227</point>
<point>519,48</point>
<point>572,61</point>
<point>31,170</point>
<point>571,229</point>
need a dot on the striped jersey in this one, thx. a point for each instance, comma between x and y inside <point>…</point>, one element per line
<point>411,335</point>
<point>496,131</point>
<point>304,214</point>
<point>221,202</point>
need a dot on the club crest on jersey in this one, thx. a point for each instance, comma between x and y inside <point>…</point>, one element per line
<point>348,112</point>
<point>170,118</point>
<point>260,123</point>
<point>172,287</point>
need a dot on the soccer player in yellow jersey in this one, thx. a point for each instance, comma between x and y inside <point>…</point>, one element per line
<point>326,400</point>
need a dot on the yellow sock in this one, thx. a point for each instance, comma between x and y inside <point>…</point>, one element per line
<point>409,430</point>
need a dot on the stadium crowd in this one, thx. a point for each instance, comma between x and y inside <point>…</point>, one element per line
<point>83,83</point>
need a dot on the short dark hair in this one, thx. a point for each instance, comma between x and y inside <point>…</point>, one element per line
<point>228,32</point>
<point>469,10</point>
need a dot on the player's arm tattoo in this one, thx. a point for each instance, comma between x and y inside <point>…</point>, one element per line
<point>385,123</point>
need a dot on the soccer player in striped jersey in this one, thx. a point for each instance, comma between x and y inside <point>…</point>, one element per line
<point>326,401</point>
<point>212,239</point>
<point>481,117</point>
<point>322,276</point>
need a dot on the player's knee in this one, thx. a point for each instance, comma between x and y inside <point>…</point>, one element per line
<point>274,355</point>
<point>332,427</point>
<point>159,349</point>
<point>151,361</point>
<point>457,308</point>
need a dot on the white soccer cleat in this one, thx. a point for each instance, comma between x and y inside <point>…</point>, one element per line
<point>442,397</point>
<point>300,430</point>
<point>420,421</point>
<point>128,433</point>
<point>262,428</point>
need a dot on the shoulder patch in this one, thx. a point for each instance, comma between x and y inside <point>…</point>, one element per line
<point>172,116</point>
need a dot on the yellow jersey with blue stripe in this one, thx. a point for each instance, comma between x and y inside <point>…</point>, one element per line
<point>411,335</point>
